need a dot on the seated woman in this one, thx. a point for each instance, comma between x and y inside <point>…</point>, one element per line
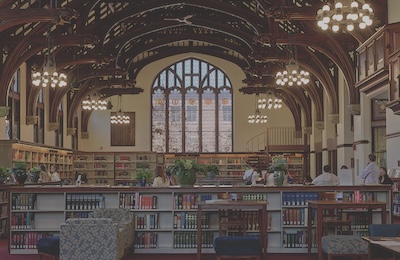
<point>161,179</point>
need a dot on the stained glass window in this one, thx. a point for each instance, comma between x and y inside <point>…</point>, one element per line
<point>191,109</point>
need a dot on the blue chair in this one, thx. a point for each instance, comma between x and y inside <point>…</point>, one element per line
<point>49,246</point>
<point>382,230</point>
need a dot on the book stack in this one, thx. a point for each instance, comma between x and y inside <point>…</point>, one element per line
<point>85,201</point>
<point>23,201</point>
<point>147,221</point>
<point>189,240</point>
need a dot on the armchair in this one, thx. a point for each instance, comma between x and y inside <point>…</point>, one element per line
<point>124,219</point>
<point>91,239</point>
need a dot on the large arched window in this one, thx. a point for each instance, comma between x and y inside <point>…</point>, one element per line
<point>191,109</point>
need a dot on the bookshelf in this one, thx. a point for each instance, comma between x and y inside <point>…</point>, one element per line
<point>165,218</point>
<point>3,211</point>
<point>113,168</point>
<point>34,155</point>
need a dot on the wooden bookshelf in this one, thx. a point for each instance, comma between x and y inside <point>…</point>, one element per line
<point>114,168</point>
<point>35,154</point>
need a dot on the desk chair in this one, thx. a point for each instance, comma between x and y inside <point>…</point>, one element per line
<point>233,243</point>
<point>333,221</point>
<point>382,230</point>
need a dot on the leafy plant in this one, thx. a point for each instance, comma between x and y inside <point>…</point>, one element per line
<point>212,168</point>
<point>185,170</point>
<point>19,169</point>
<point>143,174</point>
<point>4,171</point>
<point>279,164</point>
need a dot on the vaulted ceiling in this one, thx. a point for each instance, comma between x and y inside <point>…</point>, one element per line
<point>110,41</point>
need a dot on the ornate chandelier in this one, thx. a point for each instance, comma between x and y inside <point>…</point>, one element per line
<point>257,118</point>
<point>346,13</point>
<point>120,117</point>
<point>49,75</point>
<point>271,102</point>
<point>292,75</point>
<point>93,102</point>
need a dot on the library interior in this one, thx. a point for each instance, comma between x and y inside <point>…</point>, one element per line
<point>213,129</point>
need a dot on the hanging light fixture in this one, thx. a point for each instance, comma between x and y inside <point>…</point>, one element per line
<point>120,117</point>
<point>257,118</point>
<point>348,13</point>
<point>93,102</point>
<point>293,75</point>
<point>270,102</point>
<point>49,75</point>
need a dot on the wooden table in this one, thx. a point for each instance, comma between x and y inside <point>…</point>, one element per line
<point>320,205</point>
<point>261,206</point>
<point>386,244</point>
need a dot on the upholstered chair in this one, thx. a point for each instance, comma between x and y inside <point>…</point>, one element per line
<point>91,239</point>
<point>124,219</point>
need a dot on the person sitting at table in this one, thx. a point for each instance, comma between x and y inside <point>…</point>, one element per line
<point>161,180</point>
<point>326,178</point>
<point>384,177</point>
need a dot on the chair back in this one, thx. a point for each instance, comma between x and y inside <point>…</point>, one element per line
<point>384,230</point>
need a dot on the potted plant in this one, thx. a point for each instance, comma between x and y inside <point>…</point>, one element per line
<point>19,172</point>
<point>278,167</point>
<point>142,175</point>
<point>4,174</point>
<point>186,171</point>
<point>34,174</point>
<point>211,170</point>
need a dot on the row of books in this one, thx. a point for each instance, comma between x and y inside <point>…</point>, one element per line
<point>298,198</point>
<point>189,201</point>
<point>81,214</point>
<point>3,210</point>
<point>127,201</point>
<point>23,201</point>
<point>84,201</point>
<point>147,221</point>
<point>146,240</point>
<point>22,220</point>
<point>3,227</point>
<point>358,196</point>
<point>3,196</point>
<point>296,216</point>
<point>255,197</point>
<point>26,240</point>
<point>359,220</point>
<point>298,239</point>
<point>185,220</point>
<point>189,239</point>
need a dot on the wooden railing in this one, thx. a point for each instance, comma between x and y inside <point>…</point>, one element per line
<point>274,136</point>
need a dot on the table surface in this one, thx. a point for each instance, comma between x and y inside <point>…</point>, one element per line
<point>391,244</point>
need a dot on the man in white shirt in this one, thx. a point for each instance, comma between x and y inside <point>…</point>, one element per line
<point>249,175</point>
<point>326,178</point>
<point>370,174</point>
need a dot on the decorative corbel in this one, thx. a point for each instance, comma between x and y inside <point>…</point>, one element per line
<point>354,109</point>
<point>53,126</point>
<point>4,111</point>
<point>32,120</point>
<point>71,131</point>
<point>320,125</point>
<point>333,118</point>
<point>84,135</point>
